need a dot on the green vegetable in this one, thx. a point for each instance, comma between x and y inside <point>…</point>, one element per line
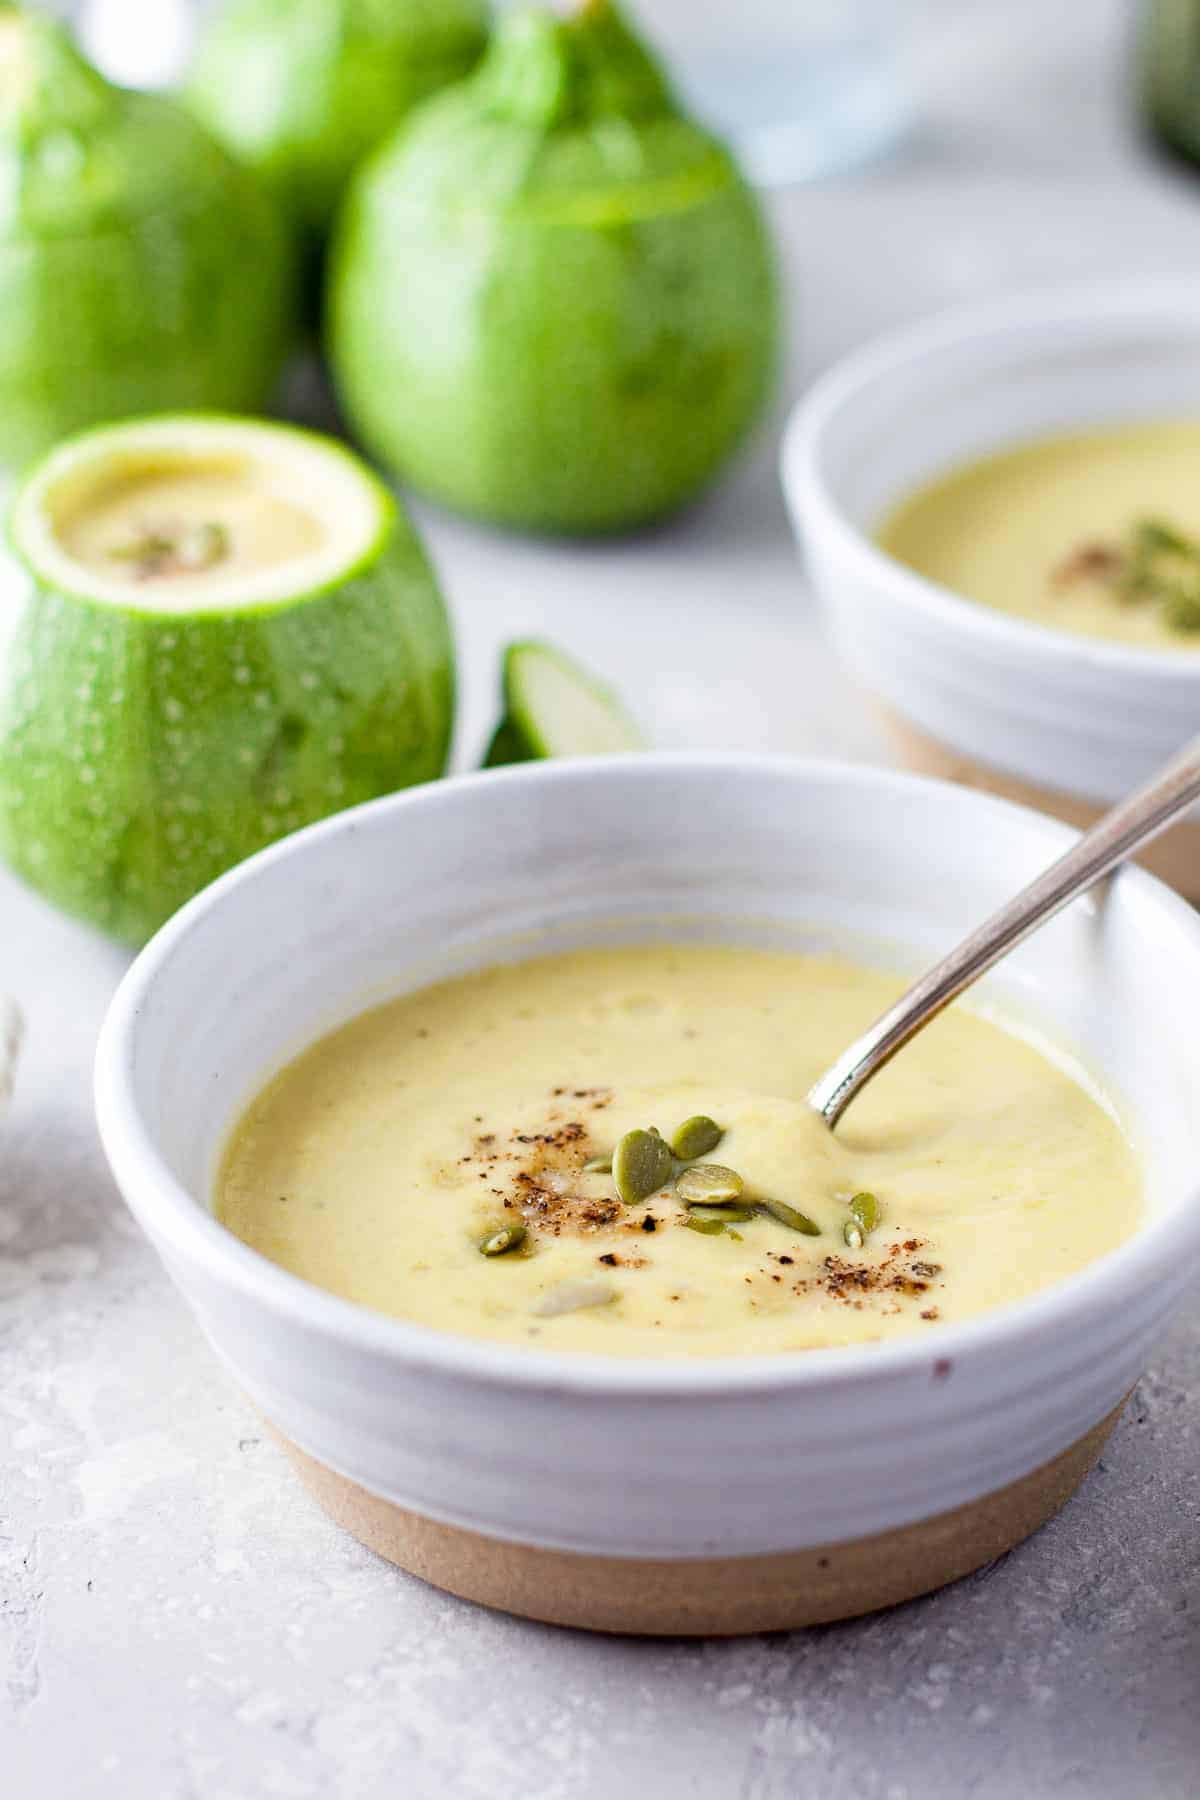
<point>1168,73</point>
<point>708,1184</point>
<point>553,707</point>
<point>709,1225</point>
<point>697,1136</point>
<point>141,269</point>
<point>864,1210</point>
<point>156,554</point>
<point>153,734</point>
<point>727,1214</point>
<point>788,1215</point>
<point>302,90</point>
<point>641,1164</point>
<point>864,1217</point>
<point>552,298</point>
<point>499,1243</point>
<point>1157,565</point>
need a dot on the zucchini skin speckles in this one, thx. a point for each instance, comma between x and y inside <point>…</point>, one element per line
<point>142,754</point>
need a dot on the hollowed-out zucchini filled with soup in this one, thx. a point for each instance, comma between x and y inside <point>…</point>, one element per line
<point>230,629</point>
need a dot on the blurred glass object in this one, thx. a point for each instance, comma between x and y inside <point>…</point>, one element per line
<point>802,88</point>
<point>139,43</point>
<point>1168,74</point>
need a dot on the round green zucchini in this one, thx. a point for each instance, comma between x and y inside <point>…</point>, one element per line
<point>141,269</point>
<point>552,299</point>
<point>155,731</point>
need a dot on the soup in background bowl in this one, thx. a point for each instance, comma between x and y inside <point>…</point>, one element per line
<point>1027,622</point>
<point>1097,533</point>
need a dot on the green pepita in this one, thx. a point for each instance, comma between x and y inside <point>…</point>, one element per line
<point>711,1226</point>
<point>203,547</point>
<point>499,1243</point>
<point>727,1215</point>
<point>598,1165</point>
<point>852,1233</point>
<point>708,1184</point>
<point>697,1136</point>
<point>641,1164</point>
<point>864,1210</point>
<point>151,552</point>
<point>788,1215</point>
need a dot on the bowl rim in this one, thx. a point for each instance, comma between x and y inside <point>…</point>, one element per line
<point>177,1221</point>
<point>814,503</point>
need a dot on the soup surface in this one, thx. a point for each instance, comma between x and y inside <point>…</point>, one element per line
<point>378,1163</point>
<point>187,524</point>
<point>1097,533</point>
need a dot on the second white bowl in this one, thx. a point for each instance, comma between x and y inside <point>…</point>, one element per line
<point>1069,723</point>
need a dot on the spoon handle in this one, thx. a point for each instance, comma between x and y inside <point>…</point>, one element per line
<point>1125,829</point>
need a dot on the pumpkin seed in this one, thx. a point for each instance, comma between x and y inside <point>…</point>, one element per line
<point>203,546</point>
<point>641,1164</point>
<point>853,1234</point>
<point>708,1184</point>
<point>696,1137</point>
<point>864,1210</point>
<point>598,1165</point>
<point>499,1243</point>
<point>710,1227</point>
<point>156,553</point>
<point>788,1215</point>
<point>728,1215</point>
<point>150,549</point>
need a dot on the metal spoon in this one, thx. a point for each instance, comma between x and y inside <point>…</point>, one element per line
<point>1132,823</point>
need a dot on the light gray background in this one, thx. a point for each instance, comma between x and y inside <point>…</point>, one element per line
<point>178,1623</point>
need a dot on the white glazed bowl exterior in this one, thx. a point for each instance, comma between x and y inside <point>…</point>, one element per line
<point>676,1459</point>
<point>1063,712</point>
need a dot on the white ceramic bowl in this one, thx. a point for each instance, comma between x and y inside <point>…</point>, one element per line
<point>684,1474</point>
<point>1070,721</point>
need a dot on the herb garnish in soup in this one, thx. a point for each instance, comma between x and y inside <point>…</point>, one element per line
<point>1097,533</point>
<point>610,1150</point>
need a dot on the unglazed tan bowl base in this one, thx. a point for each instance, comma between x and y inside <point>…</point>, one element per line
<point>1175,856</point>
<point>723,1597</point>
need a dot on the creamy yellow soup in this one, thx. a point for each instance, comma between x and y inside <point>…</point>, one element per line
<point>187,523</point>
<point>378,1163</point>
<point>1055,531</point>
